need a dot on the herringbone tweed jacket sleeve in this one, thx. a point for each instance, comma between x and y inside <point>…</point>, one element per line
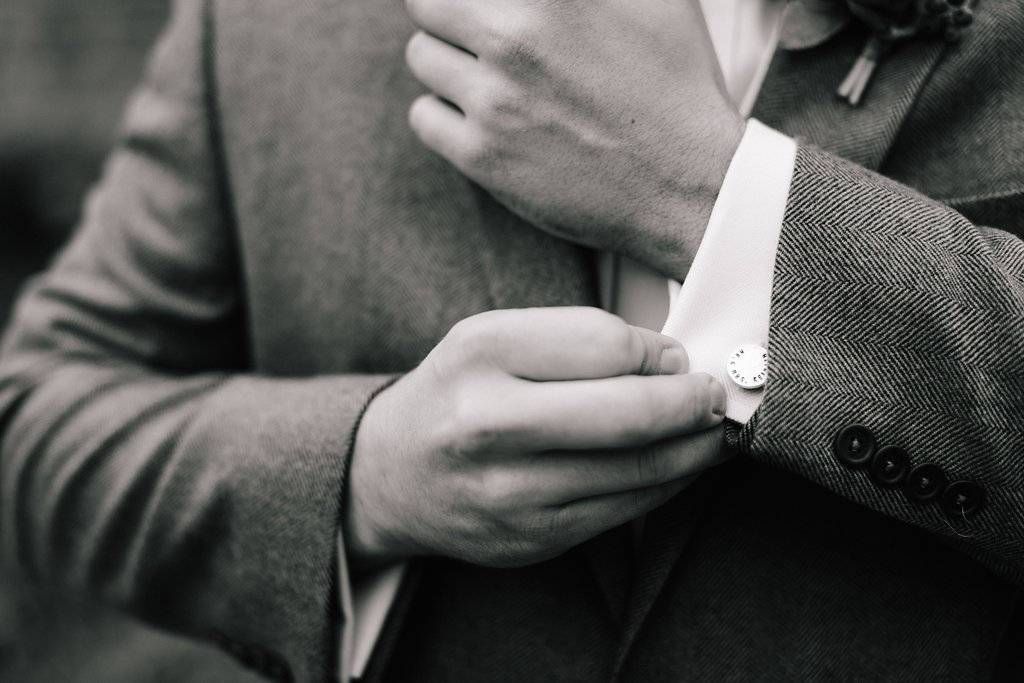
<point>141,464</point>
<point>895,312</point>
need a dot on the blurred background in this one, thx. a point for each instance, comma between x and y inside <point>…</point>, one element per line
<point>66,69</point>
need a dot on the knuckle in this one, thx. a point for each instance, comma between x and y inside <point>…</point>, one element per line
<point>484,97</point>
<point>514,42</point>
<point>473,429</point>
<point>464,429</point>
<point>499,492</point>
<point>484,340</point>
<point>460,331</point>
<point>599,318</point>
<point>472,336</point>
<point>497,102</point>
<point>614,335</point>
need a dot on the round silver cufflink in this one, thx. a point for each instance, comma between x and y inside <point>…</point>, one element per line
<point>748,366</point>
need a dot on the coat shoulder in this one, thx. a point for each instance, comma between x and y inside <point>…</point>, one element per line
<point>962,140</point>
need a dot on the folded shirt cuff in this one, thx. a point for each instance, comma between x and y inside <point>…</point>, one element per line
<point>365,604</point>
<point>725,301</point>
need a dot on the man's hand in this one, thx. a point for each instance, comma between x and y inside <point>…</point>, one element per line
<point>604,122</point>
<point>524,433</point>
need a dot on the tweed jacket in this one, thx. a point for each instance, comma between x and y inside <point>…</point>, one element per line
<point>270,246</point>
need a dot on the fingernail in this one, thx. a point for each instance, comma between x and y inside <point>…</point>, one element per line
<point>673,360</point>
<point>719,399</point>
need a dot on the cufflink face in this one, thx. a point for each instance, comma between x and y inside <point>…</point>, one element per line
<point>748,366</point>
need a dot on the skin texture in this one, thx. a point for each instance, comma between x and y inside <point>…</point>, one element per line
<point>524,433</point>
<point>604,122</point>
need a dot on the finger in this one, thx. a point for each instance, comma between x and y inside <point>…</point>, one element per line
<point>457,22</point>
<point>446,70</point>
<point>617,412</point>
<point>438,125</point>
<point>584,519</point>
<point>566,343</point>
<point>563,477</point>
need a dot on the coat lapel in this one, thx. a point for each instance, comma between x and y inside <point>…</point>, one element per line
<point>666,532</point>
<point>798,99</point>
<point>798,96</point>
<point>526,267</point>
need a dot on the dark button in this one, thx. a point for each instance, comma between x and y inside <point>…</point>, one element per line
<point>889,466</point>
<point>925,482</point>
<point>854,445</point>
<point>963,499</point>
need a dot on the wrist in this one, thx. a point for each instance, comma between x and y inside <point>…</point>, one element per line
<point>368,542</point>
<point>674,229</point>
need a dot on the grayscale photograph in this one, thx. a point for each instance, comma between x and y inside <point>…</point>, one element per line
<point>486,341</point>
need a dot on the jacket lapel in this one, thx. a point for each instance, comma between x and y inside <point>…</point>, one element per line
<point>798,96</point>
<point>798,99</point>
<point>667,530</point>
<point>526,267</point>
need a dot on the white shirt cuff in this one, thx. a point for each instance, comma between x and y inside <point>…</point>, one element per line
<point>725,301</point>
<point>365,604</point>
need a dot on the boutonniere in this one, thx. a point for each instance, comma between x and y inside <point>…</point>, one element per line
<point>808,23</point>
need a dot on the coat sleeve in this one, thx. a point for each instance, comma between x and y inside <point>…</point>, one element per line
<point>896,341</point>
<point>141,463</point>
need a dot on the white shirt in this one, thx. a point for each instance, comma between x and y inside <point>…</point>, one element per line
<point>724,301</point>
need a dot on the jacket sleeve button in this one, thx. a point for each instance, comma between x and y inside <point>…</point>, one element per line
<point>854,446</point>
<point>889,466</point>
<point>925,483</point>
<point>963,499</point>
